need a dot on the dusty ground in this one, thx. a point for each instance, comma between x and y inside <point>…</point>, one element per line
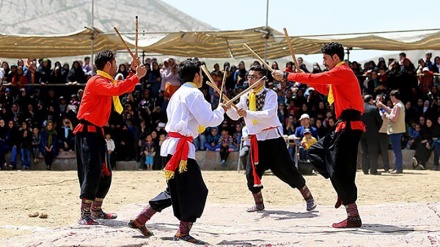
<point>56,193</point>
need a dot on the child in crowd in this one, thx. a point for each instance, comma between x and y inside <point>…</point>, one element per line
<point>36,144</point>
<point>212,140</point>
<point>162,160</point>
<point>225,141</point>
<point>110,150</point>
<point>414,136</point>
<point>307,141</point>
<point>149,152</point>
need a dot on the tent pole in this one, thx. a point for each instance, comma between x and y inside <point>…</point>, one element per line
<point>93,35</point>
<point>267,30</point>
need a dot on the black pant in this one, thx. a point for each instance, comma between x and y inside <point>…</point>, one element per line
<point>273,155</point>
<point>187,193</point>
<point>224,153</point>
<point>383,148</point>
<point>370,152</point>
<point>48,158</point>
<point>335,157</point>
<point>91,150</point>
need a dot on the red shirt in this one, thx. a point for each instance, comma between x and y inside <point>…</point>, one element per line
<point>345,88</point>
<point>96,102</point>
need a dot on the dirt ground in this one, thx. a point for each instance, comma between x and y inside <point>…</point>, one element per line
<point>56,193</point>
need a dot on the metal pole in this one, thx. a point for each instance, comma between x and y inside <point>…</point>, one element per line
<point>93,35</point>
<point>267,30</point>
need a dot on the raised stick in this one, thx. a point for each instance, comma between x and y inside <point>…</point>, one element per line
<point>223,85</point>
<point>246,90</point>
<point>125,44</point>
<point>259,58</point>
<point>211,83</point>
<point>136,39</point>
<point>289,44</point>
<point>224,97</point>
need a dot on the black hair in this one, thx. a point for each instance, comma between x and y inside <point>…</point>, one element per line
<point>395,93</point>
<point>189,68</point>
<point>332,49</point>
<point>368,98</point>
<point>103,57</point>
<point>260,69</point>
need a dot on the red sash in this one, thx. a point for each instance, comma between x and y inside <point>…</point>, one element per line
<point>180,157</point>
<point>254,157</point>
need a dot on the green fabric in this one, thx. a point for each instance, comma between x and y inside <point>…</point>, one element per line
<point>50,133</point>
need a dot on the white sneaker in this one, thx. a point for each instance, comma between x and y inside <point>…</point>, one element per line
<point>414,163</point>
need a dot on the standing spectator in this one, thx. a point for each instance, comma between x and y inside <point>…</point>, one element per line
<point>396,127</point>
<point>370,138</point>
<point>48,144</point>
<point>172,81</point>
<point>155,79</point>
<point>149,152</point>
<point>13,143</point>
<point>240,74</point>
<point>428,57</point>
<point>25,143</point>
<point>436,144</point>
<point>123,71</point>
<point>225,141</point>
<point>76,74</point>
<point>87,67</point>
<point>110,150</point>
<point>383,136</point>
<point>3,144</point>
<point>44,71</point>
<point>36,144</point>
<point>425,81</point>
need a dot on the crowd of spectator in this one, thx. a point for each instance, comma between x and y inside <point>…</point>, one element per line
<point>39,101</point>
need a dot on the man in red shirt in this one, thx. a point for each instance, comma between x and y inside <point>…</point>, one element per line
<point>94,172</point>
<point>335,156</point>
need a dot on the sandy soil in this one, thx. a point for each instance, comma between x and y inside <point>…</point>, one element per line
<point>56,193</point>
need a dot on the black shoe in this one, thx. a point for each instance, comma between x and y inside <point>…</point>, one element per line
<point>376,173</point>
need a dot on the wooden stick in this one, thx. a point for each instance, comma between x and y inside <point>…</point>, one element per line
<point>222,87</point>
<point>136,39</point>
<point>207,73</point>
<point>246,90</point>
<point>125,44</point>
<point>259,58</point>
<point>212,84</point>
<point>224,97</point>
<point>289,44</point>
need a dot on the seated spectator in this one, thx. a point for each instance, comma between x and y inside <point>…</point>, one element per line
<point>424,148</point>
<point>65,136</point>
<point>307,141</point>
<point>212,140</point>
<point>413,136</point>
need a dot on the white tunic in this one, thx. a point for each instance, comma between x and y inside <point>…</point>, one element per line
<point>186,111</point>
<point>267,117</point>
